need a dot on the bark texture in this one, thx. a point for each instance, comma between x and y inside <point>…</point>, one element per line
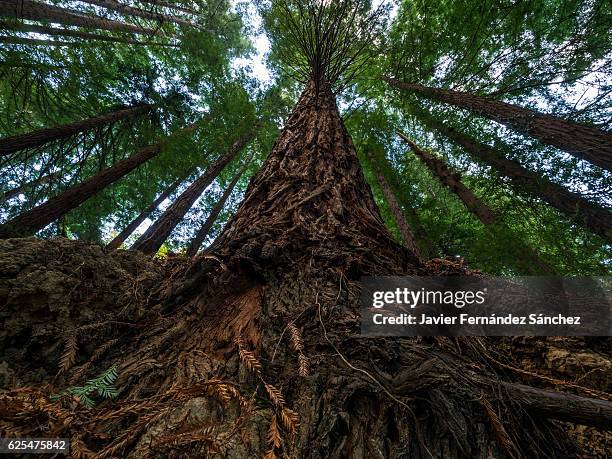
<point>41,137</point>
<point>61,32</point>
<point>580,140</point>
<point>38,11</point>
<point>128,230</point>
<point>156,234</point>
<point>253,348</point>
<point>398,215</point>
<point>37,218</point>
<point>199,237</point>
<point>527,259</point>
<point>589,215</point>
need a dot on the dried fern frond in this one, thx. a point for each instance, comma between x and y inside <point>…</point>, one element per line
<point>249,359</point>
<point>274,436</point>
<point>304,365</point>
<point>68,357</point>
<point>295,337</point>
<point>270,454</point>
<point>78,449</point>
<point>290,420</point>
<point>276,396</point>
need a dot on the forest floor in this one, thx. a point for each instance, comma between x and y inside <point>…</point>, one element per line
<point>62,301</point>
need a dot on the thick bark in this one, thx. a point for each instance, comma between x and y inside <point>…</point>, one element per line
<point>593,217</point>
<point>33,183</point>
<point>528,260</point>
<point>199,237</point>
<point>61,32</point>
<point>128,230</point>
<point>40,216</point>
<point>38,11</point>
<point>582,141</point>
<point>128,10</point>
<point>404,227</point>
<point>41,137</point>
<point>158,232</point>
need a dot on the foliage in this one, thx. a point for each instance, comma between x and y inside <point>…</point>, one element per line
<point>102,386</point>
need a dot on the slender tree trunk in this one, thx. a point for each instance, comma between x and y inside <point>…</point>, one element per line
<point>128,230</point>
<point>396,210</point>
<point>593,217</point>
<point>197,240</point>
<point>128,10</point>
<point>156,234</point>
<point>582,141</point>
<point>40,216</point>
<point>528,259</point>
<point>43,29</point>
<point>38,11</point>
<point>33,183</point>
<point>452,181</point>
<point>43,136</point>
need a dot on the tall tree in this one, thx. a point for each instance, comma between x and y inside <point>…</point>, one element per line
<point>593,217</point>
<point>582,141</point>
<point>158,232</point>
<point>63,32</point>
<point>131,227</point>
<point>38,11</point>
<point>528,260</point>
<point>204,230</point>
<point>40,216</point>
<point>407,233</point>
<point>43,136</point>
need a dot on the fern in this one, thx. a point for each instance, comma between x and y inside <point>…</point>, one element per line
<point>102,386</point>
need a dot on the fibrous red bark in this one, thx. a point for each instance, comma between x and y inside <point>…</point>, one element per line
<point>584,142</point>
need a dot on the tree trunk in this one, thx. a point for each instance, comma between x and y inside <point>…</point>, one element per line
<point>38,11</point>
<point>41,137</point>
<point>43,29</point>
<point>578,209</point>
<point>452,181</point>
<point>150,242</point>
<point>40,216</point>
<point>584,142</point>
<point>128,230</point>
<point>197,240</point>
<point>255,349</point>
<point>33,183</point>
<point>396,210</point>
<point>529,260</point>
<point>128,10</point>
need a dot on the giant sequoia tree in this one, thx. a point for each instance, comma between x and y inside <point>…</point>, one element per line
<point>252,347</point>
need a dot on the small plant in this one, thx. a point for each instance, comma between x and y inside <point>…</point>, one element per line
<point>102,385</point>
